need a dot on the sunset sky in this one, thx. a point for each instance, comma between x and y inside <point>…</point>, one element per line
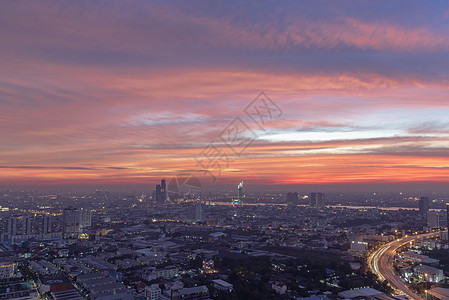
<point>120,94</point>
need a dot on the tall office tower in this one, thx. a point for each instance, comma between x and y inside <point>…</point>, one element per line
<point>85,217</point>
<point>99,195</point>
<point>240,195</point>
<point>316,200</point>
<point>292,198</point>
<point>12,226</point>
<point>240,191</point>
<point>447,219</point>
<point>46,224</point>
<point>157,194</point>
<point>163,191</point>
<point>424,205</point>
<point>432,219</point>
<point>70,222</point>
<point>160,195</point>
<point>27,226</point>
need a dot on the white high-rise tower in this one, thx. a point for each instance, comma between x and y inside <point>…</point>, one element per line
<point>240,195</point>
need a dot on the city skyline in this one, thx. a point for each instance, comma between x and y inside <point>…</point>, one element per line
<point>227,150</point>
<point>118,95</point>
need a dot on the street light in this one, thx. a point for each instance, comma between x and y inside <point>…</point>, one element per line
<point>425,274</point>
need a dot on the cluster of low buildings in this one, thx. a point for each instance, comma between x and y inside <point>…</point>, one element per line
<point>415,267</point>
<point>137,250</point>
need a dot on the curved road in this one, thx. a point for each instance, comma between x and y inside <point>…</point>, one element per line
<point>381,264</point>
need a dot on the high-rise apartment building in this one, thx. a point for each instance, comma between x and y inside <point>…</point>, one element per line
<point>12,226</point>
<point>200,215</point>
<point>316,200</point>
<point>70,222</point>
<point>424,205</point>
<point>27,229</point>
<point>85,217</point>
<point>292,198</point>
<point>432,219</point>
<point>46,224</point>
<point>73,220</point>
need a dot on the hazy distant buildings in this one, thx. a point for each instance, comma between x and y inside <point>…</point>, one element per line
<point>292,198</point>
<point>432,219</point>
<point>424,205</point>
<point>163,191</point>
<point>160,194</point>
<point>316,200</point>
<point>196,213</point>
<point>101,195</point>
<point>157,193</point>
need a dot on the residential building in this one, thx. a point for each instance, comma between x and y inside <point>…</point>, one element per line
<point>7,270</point>
<point>424,205</point>
<point>153,292</point>
<point>223,285</point>
<point>316,200</point>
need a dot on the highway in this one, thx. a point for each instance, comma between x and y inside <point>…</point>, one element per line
<point>381,264</point>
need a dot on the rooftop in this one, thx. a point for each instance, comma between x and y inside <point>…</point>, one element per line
<point>222,283</point>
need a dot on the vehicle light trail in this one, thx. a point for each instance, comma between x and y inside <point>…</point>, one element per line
<point>381,263</point>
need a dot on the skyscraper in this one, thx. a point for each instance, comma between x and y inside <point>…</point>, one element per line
<point>163,191</point>
<point>292,198</point>
<point>447,219</point>
<point>199,212</point>
<point>70,222</point>
<point>240,190</point>
<point>240,195</point>
<point>157,194</point>
<point>424,205</point>
<point>432,219</point>
<point>160,194</point>
<point>12,226</point>
<point>27,226</point>
<point>46,224</point>
<point>316,200</point>
<point>85,217</point>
